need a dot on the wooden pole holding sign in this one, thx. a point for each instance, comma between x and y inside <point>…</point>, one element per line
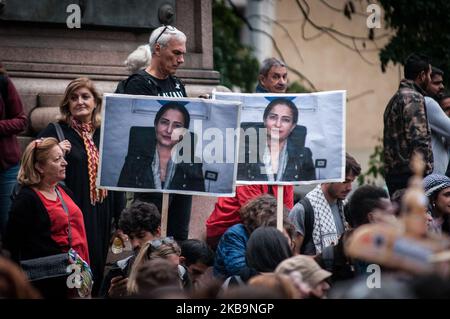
<point>280,207</point>
<point>164,214</point>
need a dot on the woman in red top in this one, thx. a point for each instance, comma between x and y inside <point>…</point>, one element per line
<point>38,224</point>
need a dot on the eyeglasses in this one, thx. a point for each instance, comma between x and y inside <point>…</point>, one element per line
<point>156,243</point>
<point>164,30</point>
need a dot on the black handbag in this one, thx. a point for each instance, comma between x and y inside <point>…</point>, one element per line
<point>46,267</point>
<point>49,266</point>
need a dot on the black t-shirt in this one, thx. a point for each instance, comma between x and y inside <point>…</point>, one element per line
<point>142,83</point>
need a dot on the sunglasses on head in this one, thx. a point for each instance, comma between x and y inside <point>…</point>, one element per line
<point>170,28</point>
<point>156,243</point>
<point>36,144</point>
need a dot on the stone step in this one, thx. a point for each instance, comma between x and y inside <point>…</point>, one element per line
<point>40,117</point>
<point>49,100</point>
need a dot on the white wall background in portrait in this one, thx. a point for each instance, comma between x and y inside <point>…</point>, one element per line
<point>322,113</point>
<point>209,120</point>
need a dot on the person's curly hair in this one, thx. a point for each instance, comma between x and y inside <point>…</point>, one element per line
<point>140,216</point>
<point>260,211</point>
<point>363,201</point>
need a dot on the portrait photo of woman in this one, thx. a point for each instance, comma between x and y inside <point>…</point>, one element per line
<point>153,162</point>
<point>279,154</point>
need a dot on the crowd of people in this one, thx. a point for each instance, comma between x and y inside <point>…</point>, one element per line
<point>50,205</point>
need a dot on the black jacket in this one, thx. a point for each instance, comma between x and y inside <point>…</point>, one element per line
<point>137,170</point>
<point>299,167</point>
<point>28,234</point>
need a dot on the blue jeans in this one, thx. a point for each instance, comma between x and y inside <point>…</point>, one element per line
<point>8,179</point>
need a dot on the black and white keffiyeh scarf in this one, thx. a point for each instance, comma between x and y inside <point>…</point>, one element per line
<point>324,229</point>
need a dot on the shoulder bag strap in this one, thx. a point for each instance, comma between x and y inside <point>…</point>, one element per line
<point>328,257</point>
<point>309,222</point>
<point>59,132</point>
<point>63,203</point>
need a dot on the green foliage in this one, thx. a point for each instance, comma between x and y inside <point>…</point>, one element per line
<point>296,87</point>
<point>421,26</point>
<point>235,61</point>
<point>376,166</point>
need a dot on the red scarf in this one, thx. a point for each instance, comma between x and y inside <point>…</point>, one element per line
<point>86,131</point>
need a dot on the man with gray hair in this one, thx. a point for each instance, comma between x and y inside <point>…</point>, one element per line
<point>168,47</point>
<point>272,77</point>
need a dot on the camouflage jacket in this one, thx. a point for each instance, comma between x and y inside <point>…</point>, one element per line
<point>406,130</point>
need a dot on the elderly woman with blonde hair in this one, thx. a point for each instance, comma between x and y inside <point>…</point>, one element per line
<point>44,218</point>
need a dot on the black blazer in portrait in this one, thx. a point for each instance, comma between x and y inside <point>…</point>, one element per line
<point>137,170</point>
<point>299,167</point>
